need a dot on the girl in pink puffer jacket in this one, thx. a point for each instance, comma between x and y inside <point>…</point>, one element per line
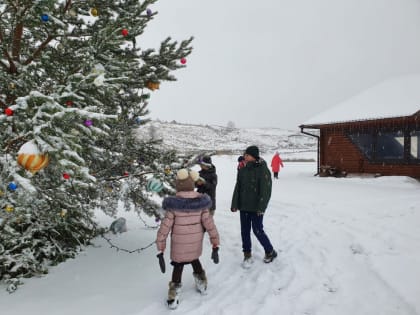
<point>187,217</point>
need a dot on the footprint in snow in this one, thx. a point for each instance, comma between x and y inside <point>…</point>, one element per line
<point>357,249</point>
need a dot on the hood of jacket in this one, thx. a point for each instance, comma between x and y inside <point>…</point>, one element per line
<point>257,163</point>
<point>189,201</point>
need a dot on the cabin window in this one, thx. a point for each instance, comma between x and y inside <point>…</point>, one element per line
<point>390,146</point>
<point>415,144</point>
<point>364,142</point>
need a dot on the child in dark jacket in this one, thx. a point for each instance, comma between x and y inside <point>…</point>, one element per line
<point>207,182</point>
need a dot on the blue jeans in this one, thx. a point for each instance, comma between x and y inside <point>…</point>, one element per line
<point>251,219</point>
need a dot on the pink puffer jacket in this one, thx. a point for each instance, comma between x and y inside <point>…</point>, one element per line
<point>187,217</point>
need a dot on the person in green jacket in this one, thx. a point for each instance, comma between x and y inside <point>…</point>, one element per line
<point>251,196</point>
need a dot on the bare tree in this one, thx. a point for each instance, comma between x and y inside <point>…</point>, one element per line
<point>230,125</point>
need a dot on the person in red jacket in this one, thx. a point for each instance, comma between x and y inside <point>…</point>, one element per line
<point>276,162</point>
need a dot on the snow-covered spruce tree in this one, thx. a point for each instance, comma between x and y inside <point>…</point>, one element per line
<point>74,85</point>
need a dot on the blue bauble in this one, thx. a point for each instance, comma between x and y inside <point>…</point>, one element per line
<point>12,186</point>
<point>154,185</point>
<point>138,120</point>
<point>45,17</point>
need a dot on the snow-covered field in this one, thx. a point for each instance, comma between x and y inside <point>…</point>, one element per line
<point>292,144</point>
<point>346,246</point>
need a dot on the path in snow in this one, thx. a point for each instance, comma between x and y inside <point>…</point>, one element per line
<point>346,246</point>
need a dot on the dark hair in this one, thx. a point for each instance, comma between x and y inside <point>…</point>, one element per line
<point>241,158</point>
<point>206,159</point>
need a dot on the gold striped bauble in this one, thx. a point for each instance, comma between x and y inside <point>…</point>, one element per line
<point>33,162</point>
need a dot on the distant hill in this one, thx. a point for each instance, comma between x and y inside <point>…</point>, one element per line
<point>189,138</point>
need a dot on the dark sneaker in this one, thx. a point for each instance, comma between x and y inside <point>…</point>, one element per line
<point>247,255</point>
<point>269,257</point>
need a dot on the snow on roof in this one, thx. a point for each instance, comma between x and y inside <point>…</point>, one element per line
<point>396,97</point>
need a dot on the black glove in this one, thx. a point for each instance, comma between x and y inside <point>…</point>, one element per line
<point>215,255</point>
<point>161,262</point>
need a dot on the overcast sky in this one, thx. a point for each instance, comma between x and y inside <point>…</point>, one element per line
<point>277,63</point>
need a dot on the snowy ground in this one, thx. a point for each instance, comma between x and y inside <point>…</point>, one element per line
<point>348,246</point>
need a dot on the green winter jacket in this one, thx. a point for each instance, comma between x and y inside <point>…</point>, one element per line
<point>253,187</point>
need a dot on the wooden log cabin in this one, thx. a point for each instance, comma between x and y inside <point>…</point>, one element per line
<point>375,132</point>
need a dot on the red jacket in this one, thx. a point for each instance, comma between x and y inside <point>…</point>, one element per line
<point>276,162</point>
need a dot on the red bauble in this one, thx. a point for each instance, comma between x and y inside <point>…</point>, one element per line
<point>183,61</point>
<point>69,103</point>
<point>8,111</point>
<point>125,173</point>
<point>66,176</point>
<point>124,32</point>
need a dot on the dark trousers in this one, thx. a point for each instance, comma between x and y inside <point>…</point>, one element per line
<point>251,219</point>
<point>179,267</point>
<point>276,175</point>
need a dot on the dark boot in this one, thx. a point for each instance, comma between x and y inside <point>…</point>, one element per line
<point>173,295</point>
<point>201,282</point>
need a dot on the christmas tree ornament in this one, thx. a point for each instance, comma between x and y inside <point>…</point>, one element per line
<point>66,176</point>
<point>88,123</point>
<point>31,159</point>
<point>12,85</point>
<point>125,173</point>
<point>94,12</point>
<point>33,162</point>
<point>152,85</point>
<point>45,17</point>
<point>69,103</point>
<point>63,213</point>
<point>9,208</point>
<point>183,61</point>
<point>12,186</point>
<point>98,69</point>
<point>154,185</point>
<point>74,132</point>
<point>167,170</point>
<point>8,111</point>
<point>157,220</point>
<point>138,120</point>
<point>149,12</point>
<point>124,32</point>
<point>99,80</point>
